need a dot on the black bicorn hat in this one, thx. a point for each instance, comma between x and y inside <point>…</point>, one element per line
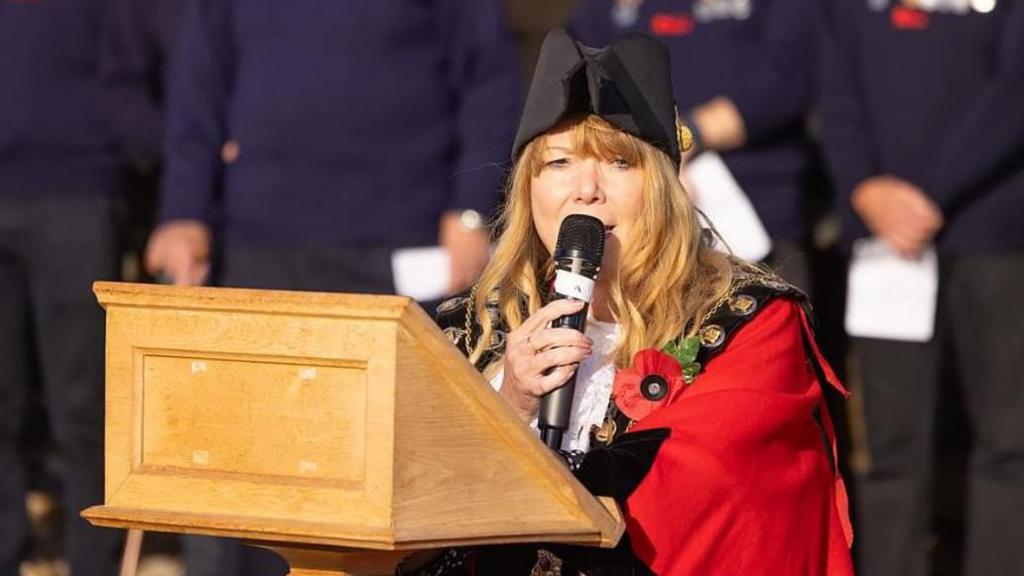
<point>628,84</point>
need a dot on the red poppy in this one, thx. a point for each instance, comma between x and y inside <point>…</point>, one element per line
<point>654,380</point>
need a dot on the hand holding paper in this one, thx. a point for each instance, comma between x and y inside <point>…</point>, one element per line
<point>890,296</point>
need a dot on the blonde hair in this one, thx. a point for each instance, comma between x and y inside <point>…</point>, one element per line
<point>667,275</point>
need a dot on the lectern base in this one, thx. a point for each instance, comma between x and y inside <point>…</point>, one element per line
<point>335,562</point>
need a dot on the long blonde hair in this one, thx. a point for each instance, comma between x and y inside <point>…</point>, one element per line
<point>667,275</point>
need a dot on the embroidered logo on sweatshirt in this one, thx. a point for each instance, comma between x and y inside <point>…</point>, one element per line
<point>712,10</point>
<point>904,18</point>
<point>956,7</point>
<point>664,23</point>
<point>671,24</point>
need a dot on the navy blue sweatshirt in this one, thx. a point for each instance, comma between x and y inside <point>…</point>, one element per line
<point>357,121</point>
<point>54,139</point>
<point>137,50</point>
<point>759,54</point>
<point>935,99</point>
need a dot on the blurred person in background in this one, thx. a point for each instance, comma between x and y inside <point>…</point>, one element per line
<point>60,178</point>
<point>924,135</point>
<point>134,66</point>
<point>744,86</point>
<point>341,134</point>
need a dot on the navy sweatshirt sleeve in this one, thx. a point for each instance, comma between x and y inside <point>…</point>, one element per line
<point>484,75</point>
<point>779,90</point>
<point>988,138</point>
<point>128,61</point>
<point>201,80</point>
<point>845,129</point>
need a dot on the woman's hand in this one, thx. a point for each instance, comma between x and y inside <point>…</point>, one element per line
<point>539,359</point>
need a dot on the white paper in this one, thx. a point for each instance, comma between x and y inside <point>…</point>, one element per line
<point>421,273</point>
<point>715,191</point>
<point>889,296</point>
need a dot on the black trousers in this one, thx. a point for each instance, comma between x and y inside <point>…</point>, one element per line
<point>51,250</point>
<point>319,268</point>
<point>979,341</point>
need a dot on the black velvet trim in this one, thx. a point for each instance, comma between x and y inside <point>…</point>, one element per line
<point>617,469</point>
<point>730,321</point>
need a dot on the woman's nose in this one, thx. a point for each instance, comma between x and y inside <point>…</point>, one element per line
<point>588,186</point>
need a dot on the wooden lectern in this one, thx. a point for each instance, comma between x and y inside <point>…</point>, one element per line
<point>342,431</point>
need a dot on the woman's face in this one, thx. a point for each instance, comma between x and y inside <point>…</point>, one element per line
<point>609,189</point>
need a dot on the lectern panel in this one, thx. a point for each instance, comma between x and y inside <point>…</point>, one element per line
<point>318,420</point>
<point>279,418</point>
<point>244,410</point>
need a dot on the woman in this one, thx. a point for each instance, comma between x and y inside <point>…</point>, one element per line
<point>726,464</point>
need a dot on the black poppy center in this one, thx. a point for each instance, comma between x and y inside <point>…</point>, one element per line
<point>654,387</point>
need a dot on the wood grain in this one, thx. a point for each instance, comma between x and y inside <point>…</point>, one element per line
<point>316,420</point>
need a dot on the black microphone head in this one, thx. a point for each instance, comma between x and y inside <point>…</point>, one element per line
<point>580,236</point>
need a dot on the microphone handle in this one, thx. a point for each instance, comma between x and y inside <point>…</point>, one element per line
<point>552,438</point>
<point>556,406</point>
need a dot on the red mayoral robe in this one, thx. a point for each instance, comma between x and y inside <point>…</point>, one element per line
<point>745,483</point>
<point>733,476</point>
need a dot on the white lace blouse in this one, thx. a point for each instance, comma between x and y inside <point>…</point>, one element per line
<point>593,386</point>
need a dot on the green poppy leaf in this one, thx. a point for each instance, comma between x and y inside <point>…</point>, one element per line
<point>673,350</point>
<point>691,370</point>
<point>690,348</point>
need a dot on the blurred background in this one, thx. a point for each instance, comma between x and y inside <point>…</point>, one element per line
<point>324,145</point>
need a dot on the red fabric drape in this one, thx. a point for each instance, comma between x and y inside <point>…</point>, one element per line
<point>744,485</point>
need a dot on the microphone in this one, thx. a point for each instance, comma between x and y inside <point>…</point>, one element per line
<point>577,259</point>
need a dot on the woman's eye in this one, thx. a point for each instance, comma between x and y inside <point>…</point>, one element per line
<point>557,163</point>
<point>622,164</point>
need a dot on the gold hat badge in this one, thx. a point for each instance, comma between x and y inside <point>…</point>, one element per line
<point>684,134</point>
